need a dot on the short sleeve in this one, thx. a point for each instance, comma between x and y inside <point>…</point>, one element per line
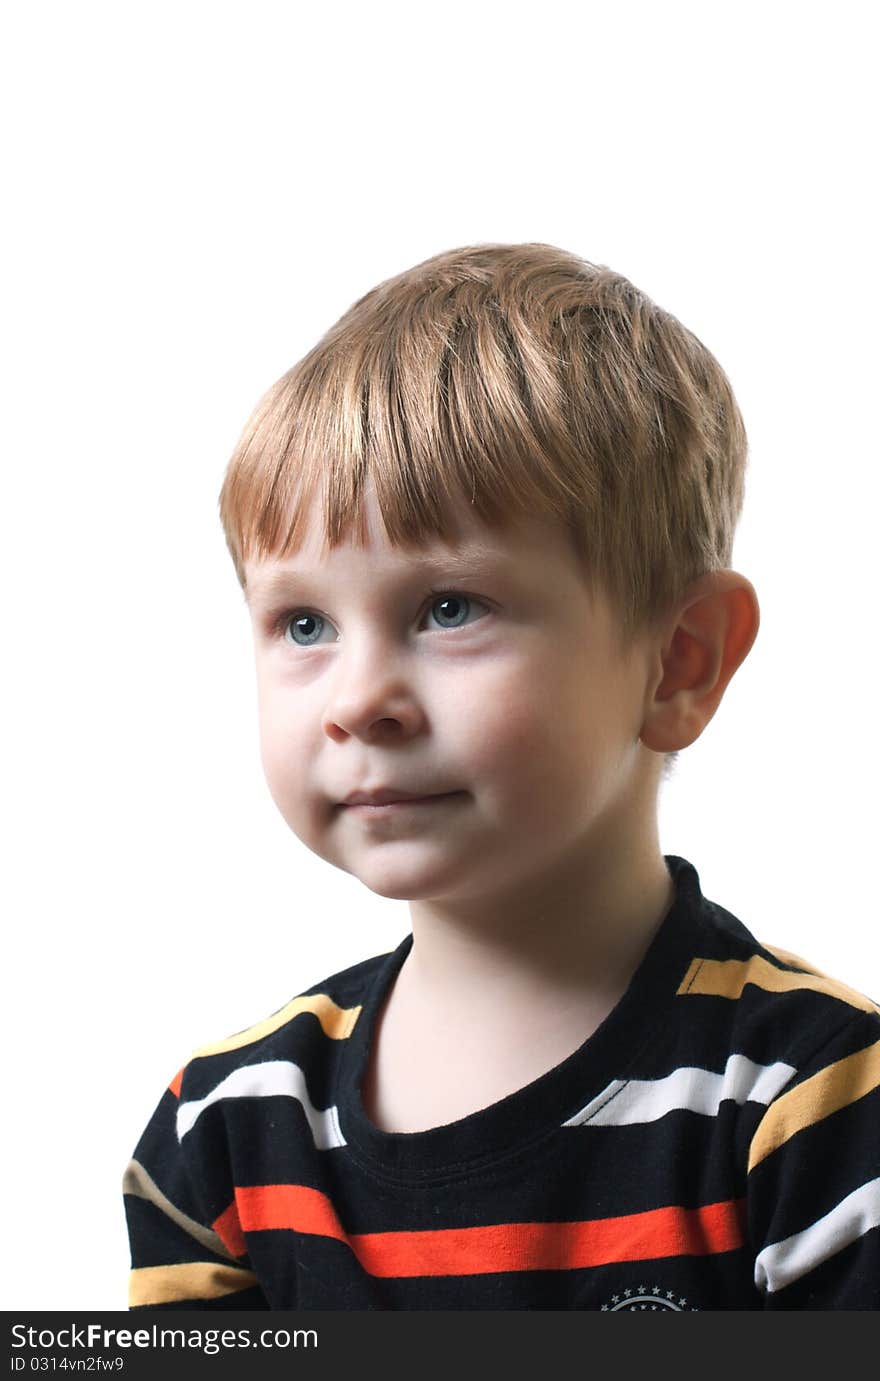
<point>178,1260</point>
<point>813,1200</point>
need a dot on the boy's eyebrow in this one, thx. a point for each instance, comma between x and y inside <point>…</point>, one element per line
<point>464,563</point>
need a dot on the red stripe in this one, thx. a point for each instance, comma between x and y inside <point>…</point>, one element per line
<point>661,1232</point>
<point>266,1206</point>
<point>228,1228</point>
<point>176,1082</point>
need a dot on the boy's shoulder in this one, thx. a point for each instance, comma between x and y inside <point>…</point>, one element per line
<point>733,960</point>
<point>326,1012</point>
<point>760,998</point>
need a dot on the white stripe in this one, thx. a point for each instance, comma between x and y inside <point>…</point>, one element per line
<point>271,1079</point>
<point>782,1262</point>
<point>626,1102</point>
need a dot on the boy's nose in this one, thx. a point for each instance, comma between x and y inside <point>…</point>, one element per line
<point>372,698</point>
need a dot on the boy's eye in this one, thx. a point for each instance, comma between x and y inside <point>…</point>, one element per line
<point>450,608</point>
<point>304,629</point>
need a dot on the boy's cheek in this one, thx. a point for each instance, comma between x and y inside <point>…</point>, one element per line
<point>522,729</point>
<point>284,767</point>
<point>307,817</point>
<point>541,757</point>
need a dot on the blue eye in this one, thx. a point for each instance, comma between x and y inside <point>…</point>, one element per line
<point>449,608</point>
<point>309,625</point>
<point>455,608</point>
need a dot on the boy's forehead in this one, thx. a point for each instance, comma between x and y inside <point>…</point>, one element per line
<point>428,559</point>
<point>471,546</point>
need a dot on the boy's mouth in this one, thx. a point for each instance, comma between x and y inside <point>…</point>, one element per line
<point>392,798</point>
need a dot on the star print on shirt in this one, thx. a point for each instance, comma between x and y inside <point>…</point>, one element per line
<point>648,1297</point>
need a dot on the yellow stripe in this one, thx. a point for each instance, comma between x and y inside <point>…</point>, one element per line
<point>728,977</point>
<point>824,1093</point>
<point>836,988</point>
<point>193,1280</point>
<point>336,1022</point>
<point>794,961</point>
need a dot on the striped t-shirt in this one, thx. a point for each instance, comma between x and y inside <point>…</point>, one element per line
<point>714,1144</point>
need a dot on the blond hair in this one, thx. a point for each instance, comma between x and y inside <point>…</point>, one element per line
<point>527,380</point>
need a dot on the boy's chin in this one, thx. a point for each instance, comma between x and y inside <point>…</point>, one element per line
<point>397,889</point>
<point>409,884</point>
<point>397,877</point>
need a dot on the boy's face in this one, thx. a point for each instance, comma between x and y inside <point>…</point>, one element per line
<point>482,679</point>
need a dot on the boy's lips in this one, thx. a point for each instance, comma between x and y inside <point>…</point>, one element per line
<point>392,796</point>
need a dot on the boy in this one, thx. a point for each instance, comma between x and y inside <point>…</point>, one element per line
<point>484,530</point>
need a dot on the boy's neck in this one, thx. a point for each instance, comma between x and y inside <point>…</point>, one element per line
<point>581,929</point>
<point>561,951</point>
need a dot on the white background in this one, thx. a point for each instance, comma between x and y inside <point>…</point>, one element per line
<point>194,192</point>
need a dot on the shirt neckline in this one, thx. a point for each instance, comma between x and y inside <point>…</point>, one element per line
<point>507,1127</point>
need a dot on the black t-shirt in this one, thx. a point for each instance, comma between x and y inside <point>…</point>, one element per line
<point>714,1144</point>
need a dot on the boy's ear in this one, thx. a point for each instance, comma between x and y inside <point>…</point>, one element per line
<point>711,634</point>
